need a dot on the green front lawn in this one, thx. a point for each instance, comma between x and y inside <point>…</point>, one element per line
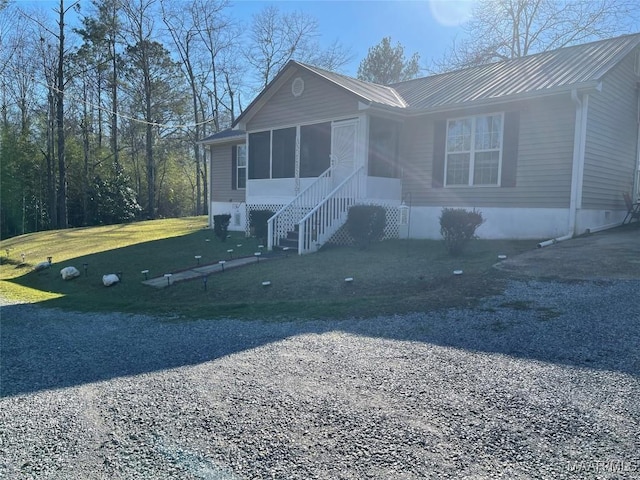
<point>395,276</point>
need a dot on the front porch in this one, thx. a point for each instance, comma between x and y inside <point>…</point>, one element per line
<point>315,216</point>
<point>281,191</point>
<point>359,157</point>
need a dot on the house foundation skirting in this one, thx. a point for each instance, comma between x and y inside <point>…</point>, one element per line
<point>238,213</point>
<point>595,220</point>
<point>424,222</point>
<point>500,223</point>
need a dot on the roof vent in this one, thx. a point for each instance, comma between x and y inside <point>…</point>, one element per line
<point>297,86</point>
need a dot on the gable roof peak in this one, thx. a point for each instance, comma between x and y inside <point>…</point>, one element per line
<point>368,92</point>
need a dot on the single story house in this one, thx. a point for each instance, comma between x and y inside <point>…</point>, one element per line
<point>544,146</point>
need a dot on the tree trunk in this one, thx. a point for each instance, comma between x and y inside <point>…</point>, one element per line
<point>52,208</point>
<point>63,221</point>
<point>196,146</point>
<point>151,167</point>
<point>85,147</point>
<point>114,106</point>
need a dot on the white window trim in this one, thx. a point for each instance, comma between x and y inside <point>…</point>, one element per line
<point>238,167</point>
<point>472,152</point>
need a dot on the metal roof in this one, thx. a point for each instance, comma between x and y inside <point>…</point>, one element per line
<point>579,66</point>
<point>368,92</point>
<point>547,72</point>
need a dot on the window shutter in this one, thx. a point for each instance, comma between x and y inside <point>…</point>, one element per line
<point>234,167</point>
<point>510,149</point>
<point>439,146</point>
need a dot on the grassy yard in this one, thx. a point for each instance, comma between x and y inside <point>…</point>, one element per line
<point>394,276</point>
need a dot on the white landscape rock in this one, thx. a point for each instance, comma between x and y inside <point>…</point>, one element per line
<point>110,279</point>
<point>67,273</point>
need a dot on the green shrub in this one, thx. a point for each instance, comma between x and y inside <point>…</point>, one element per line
<point>365,224</point>
<point>458,226</point>
<point>258,223</point>
<point>221,226</point>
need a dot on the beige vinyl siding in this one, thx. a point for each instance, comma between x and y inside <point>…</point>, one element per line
<point>220,169</point>
<point>610,149</point>
<point>320,101</point>
<point>545,155</point>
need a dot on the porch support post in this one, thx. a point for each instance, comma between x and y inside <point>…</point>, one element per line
<point>636,180</point>
<point>364,142</point>
<point>297,162</point>
<point>270,234</point>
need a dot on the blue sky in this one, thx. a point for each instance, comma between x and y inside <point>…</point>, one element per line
<point>424,26</point>
<point>427,27</point>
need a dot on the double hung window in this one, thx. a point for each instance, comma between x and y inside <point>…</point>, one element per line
<point>474,150</point>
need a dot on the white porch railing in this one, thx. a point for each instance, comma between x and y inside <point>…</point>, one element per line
<point>317,226</point>
<point>285,219</point>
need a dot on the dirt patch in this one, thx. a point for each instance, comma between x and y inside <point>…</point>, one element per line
<point>612,254</point>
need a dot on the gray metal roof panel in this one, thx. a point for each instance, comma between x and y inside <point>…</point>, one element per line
<point>548,71</point>
<point>539,74</point>
<point>369,92</point>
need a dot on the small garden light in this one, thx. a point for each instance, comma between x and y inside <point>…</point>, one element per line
<point>502,257</point>
<point>230,252</point>
<point>222,262</point>
<point>348,280</point>
<point>205,279</point>
<point>85,266</point>
<point>49,259</point>
<point>198,257</point>
<point>23,256</point>
<point>146,274</point>
<point>168,277</point>
<point>257,255</point>
<point>266,284</point>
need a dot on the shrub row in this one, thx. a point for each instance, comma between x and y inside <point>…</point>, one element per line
<point>366,224</point>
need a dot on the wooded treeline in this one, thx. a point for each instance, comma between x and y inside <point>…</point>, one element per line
<point>102,103</point>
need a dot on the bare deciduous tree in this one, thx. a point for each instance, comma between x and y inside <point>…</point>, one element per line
<point>278,37</point>
<point>202,36</point>
<point>140,17</point>
<point>505,29</point>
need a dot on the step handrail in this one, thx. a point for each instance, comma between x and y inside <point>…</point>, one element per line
<point>327,222</point>
<point>305,200</point>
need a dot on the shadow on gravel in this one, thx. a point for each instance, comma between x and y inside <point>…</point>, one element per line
<point>593,325</point>
<point>46,348</point>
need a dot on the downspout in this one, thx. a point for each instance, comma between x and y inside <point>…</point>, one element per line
<point>577,170</point>
<point>636,180</point>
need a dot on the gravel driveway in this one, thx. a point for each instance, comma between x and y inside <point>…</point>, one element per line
<point>540,382</point>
